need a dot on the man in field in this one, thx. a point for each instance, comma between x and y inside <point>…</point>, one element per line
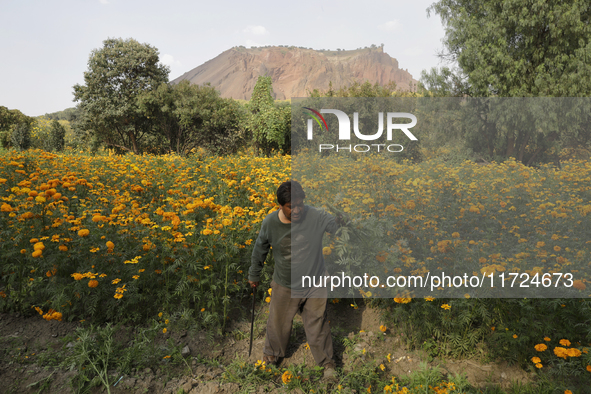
<point>295,230</point>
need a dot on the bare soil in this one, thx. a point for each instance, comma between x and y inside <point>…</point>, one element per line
<point>26,341</point>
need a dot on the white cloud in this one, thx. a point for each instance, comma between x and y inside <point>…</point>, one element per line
<point>168,60</point>
<point>256,30</point>
<point>104,1</point>
<point>390,25</point>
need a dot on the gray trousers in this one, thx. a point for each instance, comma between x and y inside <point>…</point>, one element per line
<point>283,309</point>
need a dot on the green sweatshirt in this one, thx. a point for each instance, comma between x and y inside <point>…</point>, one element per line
<point>299,242</point>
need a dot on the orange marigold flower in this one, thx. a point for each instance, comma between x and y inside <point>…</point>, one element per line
<point>560,352</point>
<point>564,342</point>
<point>383,328</point>
<point>63,248</point>
<point>547,339</point>
<point>535,360</point>
<point>93,283</point>
<point>37,253</point>
<point>286,377</point>
<point>539,365</point>
<point>110,245</point>
<point>540,347</point>
<point>83,233</point>
<point>573,352</point>
<point>588,368</point>
<point>578,284</point>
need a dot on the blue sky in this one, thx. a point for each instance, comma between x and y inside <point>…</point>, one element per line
<point>45,44</point>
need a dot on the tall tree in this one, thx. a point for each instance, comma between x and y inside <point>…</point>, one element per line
<point>270,123</point>
<point>117,74</point>
<point>518,48</point>
<point>189,116</point>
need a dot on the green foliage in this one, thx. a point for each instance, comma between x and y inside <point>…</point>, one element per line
<point>516,48</point>
<point>21,137</point>
<point>519,48</point>
<point>57,136</point>
<point>269,123</point>
<point>117,75</point>
<point>357,89</point>
<point>189,116</point>
<point>9,121</point>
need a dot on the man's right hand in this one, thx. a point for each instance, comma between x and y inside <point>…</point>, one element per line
<point>253,284</point>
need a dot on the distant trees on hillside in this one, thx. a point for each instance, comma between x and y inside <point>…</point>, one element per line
<point>13,121</point>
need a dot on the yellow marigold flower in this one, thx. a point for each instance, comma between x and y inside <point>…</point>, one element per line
<point>560,352</point>
<point>578,284</point>
<point>540,347</point>
<point>539,365</point>
<point>115,281</point>
<point>160,314</point>
<point>455,235</point>
<point>93,283</point>
<point>37,253</point>
<point>557,248</point>
<point>382,367</point>
<point>326,251</point>
<point>564,342</point>
<point>34,240</point>
<point>429,298</point>
<point>268,299</point>
<point>540,244</point>
<point>573,352</point>
<point>446,306</point>
<point>83,233</point>
<point>206,232</point>
<point>166,321</point>
<point>136,277</point>
<point>118,296</point>
<point>110,245</point>
<point>39,246</point>
<point>286,377</point>
<point>77,276</point>
<point>270,290</point>
<point>535,360</point>
<point>164,330</point>
<point>383,328</point>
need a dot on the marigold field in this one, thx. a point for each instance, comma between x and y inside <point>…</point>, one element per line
<point>108,238</point>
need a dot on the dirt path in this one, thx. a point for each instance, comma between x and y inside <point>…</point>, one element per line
<point>27,344</point>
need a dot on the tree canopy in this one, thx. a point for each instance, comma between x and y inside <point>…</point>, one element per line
<point>118,73</point>
<point>519,48</point>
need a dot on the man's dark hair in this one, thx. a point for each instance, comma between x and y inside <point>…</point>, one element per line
<point>289,189</point>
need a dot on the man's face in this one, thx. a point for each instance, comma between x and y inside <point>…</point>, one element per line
<point>294,210</point>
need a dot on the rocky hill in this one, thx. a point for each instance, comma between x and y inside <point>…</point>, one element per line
<point>295,71</point>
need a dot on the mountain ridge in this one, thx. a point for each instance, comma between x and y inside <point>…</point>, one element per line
<point>295,71</point>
